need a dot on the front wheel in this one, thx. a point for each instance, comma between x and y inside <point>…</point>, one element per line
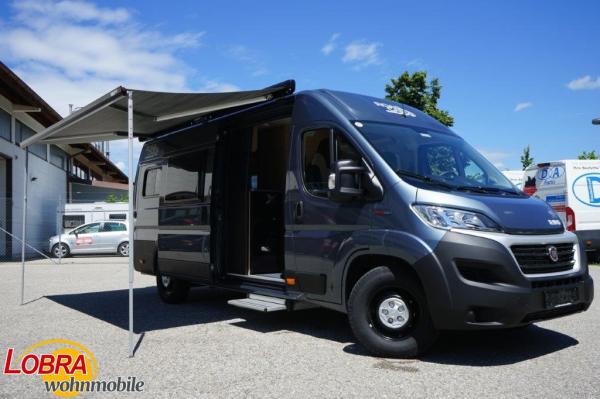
<point>60,250</point>
<point>171,289</point>
<point>123,249</point>
<point>389,316</point>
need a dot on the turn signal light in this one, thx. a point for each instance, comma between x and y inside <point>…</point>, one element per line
<point>290,281</point>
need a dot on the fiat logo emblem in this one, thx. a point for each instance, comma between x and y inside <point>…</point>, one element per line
<point>553,253</point>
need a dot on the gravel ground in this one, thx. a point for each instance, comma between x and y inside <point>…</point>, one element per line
<point>205,348</point>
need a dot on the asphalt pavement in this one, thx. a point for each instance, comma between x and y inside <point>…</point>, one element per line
<point>206,348</point>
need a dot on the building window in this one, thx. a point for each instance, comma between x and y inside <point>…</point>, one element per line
<point>5,125</point>
<point>58,157</point>
<point>71,221</point>
<point>23,132</point>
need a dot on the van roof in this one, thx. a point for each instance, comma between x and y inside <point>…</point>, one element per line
<point>358,107</point>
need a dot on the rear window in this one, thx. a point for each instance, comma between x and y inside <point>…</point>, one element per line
<point>113,226</point>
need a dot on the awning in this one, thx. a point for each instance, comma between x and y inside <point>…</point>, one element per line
<point>106,118</point>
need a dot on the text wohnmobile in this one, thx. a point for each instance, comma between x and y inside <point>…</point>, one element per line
<point>129,384</point>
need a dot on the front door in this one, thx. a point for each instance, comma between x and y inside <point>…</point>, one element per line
<point>85,239</point>
<point>322,228</point>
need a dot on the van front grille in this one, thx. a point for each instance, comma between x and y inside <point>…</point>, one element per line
<point>535,259</point>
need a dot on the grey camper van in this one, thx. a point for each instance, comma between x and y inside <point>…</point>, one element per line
<point>356,204</point>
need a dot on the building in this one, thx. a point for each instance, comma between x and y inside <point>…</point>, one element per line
<point>57,173</point>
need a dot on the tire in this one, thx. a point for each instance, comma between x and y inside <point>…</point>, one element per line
<point>411,331</point>
<point>55,250</point>
<point>123,249</point>
<point>172,290</point>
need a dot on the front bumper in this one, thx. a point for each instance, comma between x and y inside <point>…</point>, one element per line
<point>486,288</point>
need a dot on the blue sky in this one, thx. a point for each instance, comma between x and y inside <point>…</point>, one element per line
<point>513,72</point>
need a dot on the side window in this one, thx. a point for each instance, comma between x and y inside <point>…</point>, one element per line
<point>71,221</point>
<point>117,216</point>
<point>189,177</point>
<point>90,228</point>
<point>151,182</point>
<point>316,161</point>
<point>183,177</point>
<point>113,226</point>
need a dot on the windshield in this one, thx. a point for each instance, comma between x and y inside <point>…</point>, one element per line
<point>435,158</point>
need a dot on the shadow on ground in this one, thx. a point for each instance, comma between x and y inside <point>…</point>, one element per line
<point>206,305</point>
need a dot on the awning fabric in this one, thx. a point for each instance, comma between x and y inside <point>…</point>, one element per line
<point>106,118</point>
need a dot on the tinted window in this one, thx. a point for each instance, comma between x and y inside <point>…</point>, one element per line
<point>71,221</point>
<point>113,226</point>
<point>58,157</point>
<point>4,125</point>
<point>316,159</point>
<point>24,132</point>
<point>152,182</point>
<point>117,216</point>
<point>189,177</point>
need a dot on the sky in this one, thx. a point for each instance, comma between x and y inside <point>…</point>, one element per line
<point>514,73</point>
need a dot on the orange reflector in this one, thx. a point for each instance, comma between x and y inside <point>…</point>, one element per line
<point>589,242</point>
<point>290,281</point>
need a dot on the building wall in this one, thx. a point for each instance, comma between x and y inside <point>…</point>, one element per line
<point>45,192</point>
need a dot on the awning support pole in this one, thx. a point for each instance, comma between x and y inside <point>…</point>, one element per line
<point>130,227</point>
<point>24,227</point>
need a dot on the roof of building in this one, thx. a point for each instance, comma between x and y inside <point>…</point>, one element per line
<point>19,93</point>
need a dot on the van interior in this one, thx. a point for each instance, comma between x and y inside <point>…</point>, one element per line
<point>257,161</point>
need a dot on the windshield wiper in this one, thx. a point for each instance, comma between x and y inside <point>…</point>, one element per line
<point>424,178</point>
<point>486,190</point>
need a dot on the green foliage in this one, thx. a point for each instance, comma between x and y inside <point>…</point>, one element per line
<point>414,90</point>
<point>526,159</point>
<point>112,198</point>
<point>588,155</point>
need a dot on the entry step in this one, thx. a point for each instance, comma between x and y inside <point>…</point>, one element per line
<point>261,303</point>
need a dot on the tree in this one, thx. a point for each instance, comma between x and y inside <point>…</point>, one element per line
<point>526,159</point>
<point>414,90</point>
<point>588,155</point>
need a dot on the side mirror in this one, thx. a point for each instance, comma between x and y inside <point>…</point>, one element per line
<point>346,181</point>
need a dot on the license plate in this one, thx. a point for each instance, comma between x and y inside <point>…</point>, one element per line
<point>561,297</point>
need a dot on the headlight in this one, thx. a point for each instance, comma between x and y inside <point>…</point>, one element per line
<point>450,218</point>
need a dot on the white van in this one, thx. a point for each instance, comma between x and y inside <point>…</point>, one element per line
<point>77,214</point>
<point>572,188</point>
<point>515,177</point>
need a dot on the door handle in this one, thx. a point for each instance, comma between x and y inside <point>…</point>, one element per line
<point>299,210</point>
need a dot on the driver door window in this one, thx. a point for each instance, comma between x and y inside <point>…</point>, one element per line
<point>90,228</point>
<point>316,158</point>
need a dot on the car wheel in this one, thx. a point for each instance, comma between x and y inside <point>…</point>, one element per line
<point>171,289</point>
<point>389,316</point>
<point>123,249</point>
<point>60,250</point>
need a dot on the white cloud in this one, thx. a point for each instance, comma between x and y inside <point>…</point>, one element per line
<point>330,45</point>
<point>495,157</point>
<point>584,83</point>
<point>362,53</point>
<point>73,51</point>
<point>521,106</point>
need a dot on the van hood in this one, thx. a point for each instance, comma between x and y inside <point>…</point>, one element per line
<point>516,215</point>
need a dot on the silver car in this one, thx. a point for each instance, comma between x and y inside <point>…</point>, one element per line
<point>92,238</point>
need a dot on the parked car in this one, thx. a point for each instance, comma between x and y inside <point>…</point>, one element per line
<point>103,237</point>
